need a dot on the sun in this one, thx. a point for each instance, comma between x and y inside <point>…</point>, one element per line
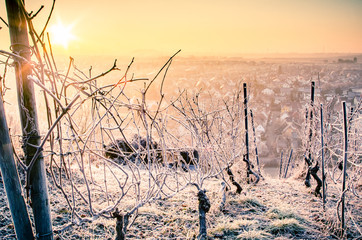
<point>61,34</point>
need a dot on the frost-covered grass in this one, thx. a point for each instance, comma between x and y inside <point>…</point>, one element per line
<point>269,210</point>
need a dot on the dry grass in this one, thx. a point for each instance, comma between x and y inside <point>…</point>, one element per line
<point>288,225</point>
<point>254,235</point>
<point>276,213</point>
<point>228,225</point>
<point>250,202</point>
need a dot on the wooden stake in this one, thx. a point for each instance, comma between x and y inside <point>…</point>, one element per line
<point>290,157</point>
<point>281,164</point>
<point>311,122</point>
<point>308,158</point>
<point>345,131</point>
<point>11,181</point>
<point>256,148</point>
<point>323,174</point>
<point>28,117</point>
<point>246,126</point>
<point>246,158</point>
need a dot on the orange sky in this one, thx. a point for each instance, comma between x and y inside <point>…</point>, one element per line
<point>204,27</point>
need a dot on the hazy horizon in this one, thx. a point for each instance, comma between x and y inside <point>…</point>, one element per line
<point>202,28</point>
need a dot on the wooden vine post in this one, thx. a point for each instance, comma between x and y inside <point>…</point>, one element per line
<point>246,130</point>
<point>246,157</point>
<point>28,116</point>
<point>290,158</point>
<point>308,158</point>
<point>311,123</point>
<point>281,164</point>
<point>256,148</point>
<point>11,181</point>
<point>345,131</point>
<point>323,174</point>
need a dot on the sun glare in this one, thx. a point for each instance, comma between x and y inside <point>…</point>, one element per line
<point>61,34</point>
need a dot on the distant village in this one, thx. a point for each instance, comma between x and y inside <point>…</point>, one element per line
<point>283,102</point>
<point>280,91</point>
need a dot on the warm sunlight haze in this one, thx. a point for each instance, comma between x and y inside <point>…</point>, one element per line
<point>61,35</point>
<point>181,119</point>
<point>228,28</point>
